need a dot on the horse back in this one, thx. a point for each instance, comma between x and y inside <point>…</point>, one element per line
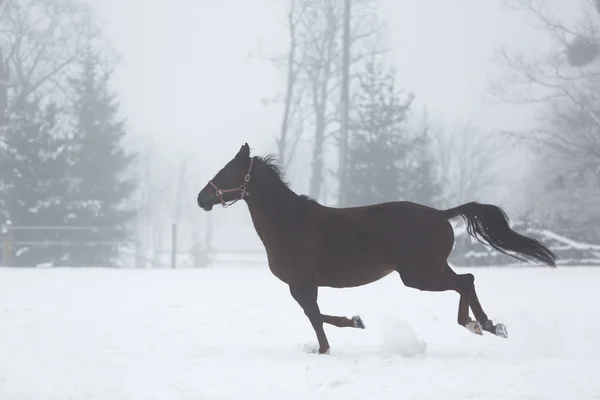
<point>359,245</point>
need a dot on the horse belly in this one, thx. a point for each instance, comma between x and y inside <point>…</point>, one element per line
<point>351,277</point>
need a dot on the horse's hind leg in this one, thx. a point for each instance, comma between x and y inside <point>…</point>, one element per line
<point>464,284</point>
<point>486,324</point>
<point>441,280</point>
<point>340,322</point>
<point>343,322</point>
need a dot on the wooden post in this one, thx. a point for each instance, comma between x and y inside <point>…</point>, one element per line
<point>174,246</point>
<point>7,245</point>
<point>139,260</point>
<point>209,235</point>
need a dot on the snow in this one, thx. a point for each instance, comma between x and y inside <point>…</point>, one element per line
<point>568,243</point>
<point>236,333</point>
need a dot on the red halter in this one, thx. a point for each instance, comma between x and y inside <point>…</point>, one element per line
<point>242,189</point>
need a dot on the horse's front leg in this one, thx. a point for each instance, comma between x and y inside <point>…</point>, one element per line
<point>306,296</point>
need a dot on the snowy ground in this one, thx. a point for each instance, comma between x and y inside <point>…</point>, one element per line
<point>237,334</point>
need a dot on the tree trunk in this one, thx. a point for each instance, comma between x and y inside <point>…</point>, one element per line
<point>291,83</point>
<point>316,179</point>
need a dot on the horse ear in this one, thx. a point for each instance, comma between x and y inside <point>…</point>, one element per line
<point>244,151</point>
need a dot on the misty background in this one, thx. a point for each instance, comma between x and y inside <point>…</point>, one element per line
<point>115,114</point>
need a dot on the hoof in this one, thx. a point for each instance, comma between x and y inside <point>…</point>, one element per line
<point>357,322</point>
<point>500,330</point>
<point>475,327</point>
<point>315,350</point>
<point>496,329</point>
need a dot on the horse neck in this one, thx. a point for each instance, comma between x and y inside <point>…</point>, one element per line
<point>271,201</point>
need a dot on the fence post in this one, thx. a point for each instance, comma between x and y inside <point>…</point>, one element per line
<point>174,246</point>
<point>7,245</point>
<point>208,247</point>
<point>139,261</point>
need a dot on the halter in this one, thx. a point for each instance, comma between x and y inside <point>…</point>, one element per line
<point>242,189</point>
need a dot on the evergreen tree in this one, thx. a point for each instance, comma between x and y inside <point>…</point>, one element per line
<point>99,175</point>
<point>422,183</point>
<point>379,142</point>
<point>33,162</point>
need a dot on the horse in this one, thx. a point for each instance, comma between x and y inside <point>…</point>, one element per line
<point>310,245</point>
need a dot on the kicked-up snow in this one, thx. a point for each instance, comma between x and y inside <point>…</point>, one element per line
<point>236,333</point>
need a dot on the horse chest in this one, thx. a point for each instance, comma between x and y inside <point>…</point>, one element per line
<point>286,271</point>
<point>279,272</point>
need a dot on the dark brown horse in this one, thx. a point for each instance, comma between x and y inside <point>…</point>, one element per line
<point>310,245</point>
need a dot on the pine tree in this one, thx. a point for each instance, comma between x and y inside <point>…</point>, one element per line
<point>422,184</point>
<point>33,163</point>
<point>99,174</point>
<point>379,141</point>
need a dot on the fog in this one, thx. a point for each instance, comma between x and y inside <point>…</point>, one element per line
<point>195,82</point>
<point>193,77</point>
<point>195,72</point>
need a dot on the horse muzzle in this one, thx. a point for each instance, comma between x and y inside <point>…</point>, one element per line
<point>204,203</point>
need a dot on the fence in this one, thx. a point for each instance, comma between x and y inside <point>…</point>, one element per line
<point>467,252</point>
<point>16,239</point>
<point>216,258</point>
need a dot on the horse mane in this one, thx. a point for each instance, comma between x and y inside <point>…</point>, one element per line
<point>275,174</point>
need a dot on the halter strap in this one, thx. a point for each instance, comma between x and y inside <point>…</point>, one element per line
<point>242,189</point>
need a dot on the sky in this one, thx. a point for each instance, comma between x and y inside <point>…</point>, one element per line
<point>192,71</point>
<point>193,79</point>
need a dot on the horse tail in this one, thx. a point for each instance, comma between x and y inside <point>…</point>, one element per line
<point>489,223</point>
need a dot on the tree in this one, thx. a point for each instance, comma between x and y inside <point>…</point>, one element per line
<point>202,248</point>
<point>39,41</point>
<point>291,101</point>
<point>154,171</point>
<point>422,183</point>
<point>563,84</point>
<point>99,174</point>
<point>313,70</point>
<point>560,81</point>
<point>379,141</point>
<point>467,158</point>
<point>33,165</point>
<point>566,200</point>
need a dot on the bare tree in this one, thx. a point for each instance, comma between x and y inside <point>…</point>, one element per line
<point>466,159</point>
<point>292,102</point>
<point>563,83</point>
<point>165,197</point>
<point>145,200</point>
<point>313,68</point>
<point>39,40</point>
